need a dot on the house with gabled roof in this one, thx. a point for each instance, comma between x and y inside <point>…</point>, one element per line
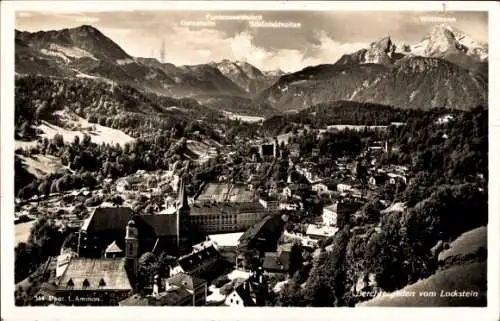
<point>88,281</point>
<point>198,262</point>
<point>241,296</point>
<point>113,251</point>
<point>179,290</point>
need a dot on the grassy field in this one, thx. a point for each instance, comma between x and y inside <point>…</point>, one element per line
<point>22,232</point>
<point>467,243</point>
<point>244,118</point>
<point>99,134</point>
<point>434,291</point>
<point>41,165</point>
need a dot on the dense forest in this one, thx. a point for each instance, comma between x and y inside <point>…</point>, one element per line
<point>88,163</point>
<point>346,113</point>
<point>118,106</point>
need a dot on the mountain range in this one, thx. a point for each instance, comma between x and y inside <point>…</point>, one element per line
<point>447,68</point>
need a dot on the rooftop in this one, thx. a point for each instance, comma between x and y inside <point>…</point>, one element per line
<point>186,281</point>
<point>396,207</point>
<point>98,274</point>
<point>322,230</point>
<point>223,192</point>
<point>267,227</point>
<point>113,248</point>
<point>197,257</point>
<point>235,208</point>
<point>104,219</point>
<point>227,239</point>
<point>172,297</point>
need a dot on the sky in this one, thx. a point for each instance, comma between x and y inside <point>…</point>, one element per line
<point>304,38</point>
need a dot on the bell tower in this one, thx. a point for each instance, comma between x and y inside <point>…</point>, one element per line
<point>183,211</point>
<point>132,247</point>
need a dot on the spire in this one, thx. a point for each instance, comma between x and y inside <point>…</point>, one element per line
<point>182,201</point>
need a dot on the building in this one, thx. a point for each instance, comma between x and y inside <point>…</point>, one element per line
<point>199,261</point>
<point>269,204</point>
<point>344,207</point>
<point>113,251</point>
<point>196,286</point>
<point>395,178</point>
<point>330,215</point>
<point>294,150</point>
<point>378,179</point>
<point>229,209</point>
<point>162,231</point>
<point>88,281</point>
<point>269,149</point>
<point>241,296</point>
<point>260,238</point>
<point>276,262</point>
<point>287,206</point>
<point>320,188</point>
<point>304,240</point>
<point>287,192</point>
<point>226,208</point>
<point>320,231</point>
<point>226,244</point>
<point>214,217</point>
<point>179,290</point>
<point>343,188</point>
<point>399,207</point>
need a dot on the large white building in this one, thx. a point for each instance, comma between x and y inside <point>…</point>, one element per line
<point>330,215</point>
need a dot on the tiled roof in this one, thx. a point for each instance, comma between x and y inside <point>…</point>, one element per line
<point>232,208</point>
<point>172,297</point>
<point>102,274</point>
<point>395,207</point>
<point>116,218</point>
<point>223,192</point>
<point>135,300</point>
<point>196,258</point>
<point>186,281</point>
<point>267,227</point>
<point>244,293</point>
<point>108,218</point>
<point>163,225</point>
<point>332,207</point>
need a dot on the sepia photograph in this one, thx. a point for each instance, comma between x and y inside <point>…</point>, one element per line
<point>215,157</point>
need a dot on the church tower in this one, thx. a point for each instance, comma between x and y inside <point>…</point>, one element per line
<point>132,247</point>
<point>183,211</point>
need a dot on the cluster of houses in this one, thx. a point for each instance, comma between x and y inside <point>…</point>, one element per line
<point>247,232</point>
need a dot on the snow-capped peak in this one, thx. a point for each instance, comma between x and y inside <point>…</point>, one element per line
<point>444,39</point>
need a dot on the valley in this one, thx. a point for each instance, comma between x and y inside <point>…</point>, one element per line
<point>344,178</point>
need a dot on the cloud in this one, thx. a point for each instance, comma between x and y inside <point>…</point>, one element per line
<point>87,19</point>
<point>189,46</point>
<point>24,14</point>
<point>326,51</point>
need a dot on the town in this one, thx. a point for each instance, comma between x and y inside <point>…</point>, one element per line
<point>235,242</point>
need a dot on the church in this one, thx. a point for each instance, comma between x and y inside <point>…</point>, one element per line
<point>102,233</point>
<point>155,232</point>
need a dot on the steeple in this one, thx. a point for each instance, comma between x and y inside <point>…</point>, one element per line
<point>182,201</point>
<point>183,212</point>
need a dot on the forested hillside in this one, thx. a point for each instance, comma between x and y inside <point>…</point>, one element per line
<point>446,196</point>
